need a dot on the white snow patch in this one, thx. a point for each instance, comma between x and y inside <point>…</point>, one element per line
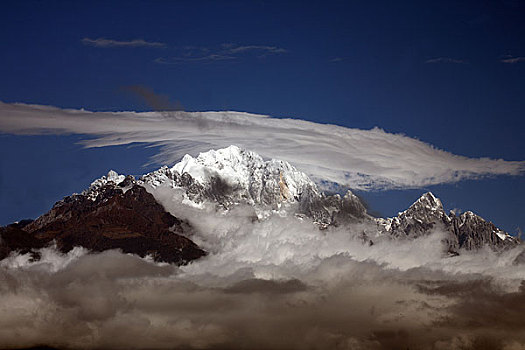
<point>501,234</point>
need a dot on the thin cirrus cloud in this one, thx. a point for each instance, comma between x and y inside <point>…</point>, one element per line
<point>259,48</point>
<point>513,59</point>
<point>360,159</point>
<point>205,58</point>
<point>445,60</point>
<point>224,52</point>
<point>102,42</point>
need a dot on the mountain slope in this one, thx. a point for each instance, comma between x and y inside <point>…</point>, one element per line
<point>467,231</point>
<point>114,213</point>
<point>471,231</point>
<point>119,212</point>
<point>243,175</point>
<point>232,176</point>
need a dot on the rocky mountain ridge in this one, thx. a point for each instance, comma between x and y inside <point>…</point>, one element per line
<point>232,176</point>
<point>118,211</point>
<point>466,231</point>
<point>114,213</point>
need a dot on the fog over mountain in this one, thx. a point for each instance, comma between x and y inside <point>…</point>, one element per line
<point>283,266</point>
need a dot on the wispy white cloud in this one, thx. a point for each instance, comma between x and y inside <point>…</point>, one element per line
<point>360,159</point>
<point>204,58</point>
<point>225,52</point>
<point>102,42</point>
<point>512,59</point>
<point>445,60</point>
<point>259,48</point>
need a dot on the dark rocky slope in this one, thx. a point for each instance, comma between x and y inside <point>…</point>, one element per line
<point>128,219</point>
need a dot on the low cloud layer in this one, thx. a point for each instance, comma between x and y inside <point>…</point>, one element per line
<point>276,284</point>
<point>360,159</point>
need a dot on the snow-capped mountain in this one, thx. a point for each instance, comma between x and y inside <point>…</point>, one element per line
<point>423,215</point>
<point>243,175</point>
<point>118,211</point>
<point>466,231</point>
<point>233,176</point>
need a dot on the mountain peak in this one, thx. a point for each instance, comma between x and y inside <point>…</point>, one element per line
<point>233,175</point>
<point>429,201</point>
<point>230,163</point>
<point>225,178</point>
<point>247,173</point>
<point>112,175</point>
<point>111,178</point>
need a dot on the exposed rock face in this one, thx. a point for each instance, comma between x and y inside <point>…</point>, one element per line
<point>333,210</point>
<point>472,232</point>
<point>467,231</point>
<point>116,211</point>
<point>111,216</point>
<point>14,238</point>
<point>232,175</point>
<point>425,214</point>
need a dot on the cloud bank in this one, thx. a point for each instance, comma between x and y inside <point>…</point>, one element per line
<point>361,159</point>
<point>275,284</point>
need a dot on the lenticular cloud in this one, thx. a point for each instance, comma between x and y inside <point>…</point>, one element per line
<point>360,159</point>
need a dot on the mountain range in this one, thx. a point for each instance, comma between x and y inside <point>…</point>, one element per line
<point>122,212</point>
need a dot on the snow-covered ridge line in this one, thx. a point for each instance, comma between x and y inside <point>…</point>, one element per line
<point>248,170</point>
<point>259,181</point>
<point>232,175</point>
<point>111,178</point>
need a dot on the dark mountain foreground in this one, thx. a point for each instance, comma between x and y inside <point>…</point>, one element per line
<point>128,219</point>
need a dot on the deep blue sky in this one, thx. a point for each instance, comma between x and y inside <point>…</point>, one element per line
<point>438,71</point>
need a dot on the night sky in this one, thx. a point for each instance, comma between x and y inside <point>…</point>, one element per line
<point>451,74</point>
